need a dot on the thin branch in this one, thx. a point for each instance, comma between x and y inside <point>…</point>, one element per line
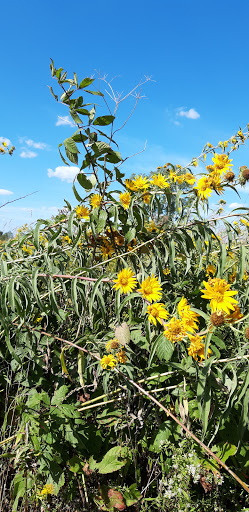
<point>18,199</point>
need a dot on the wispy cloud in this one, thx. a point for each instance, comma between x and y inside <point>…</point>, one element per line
<point>190,114</point>
<point>4,192</point>
<point>4,139</point>
<point>32,144</point>
<point>12,217</point>
<point>64,121</point>
<point>236,205</point>
<point>26,153</point>
<point>64,173</point>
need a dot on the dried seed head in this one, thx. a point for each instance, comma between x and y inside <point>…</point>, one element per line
<point>217,319</point>
<point>245,173</point>
<point>247,333</point>
<point>229,176</point>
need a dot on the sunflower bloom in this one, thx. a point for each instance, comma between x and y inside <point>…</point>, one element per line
<point>203,188</point>
<point>140,183</point>
<point>82,212</point>
<point>160,181</point>
<point>221,163</point>
<point>174,330</point>
<point>95,200</point>
<point>125,199</point>
<point>129,184</point>
<point>220,296</point>
<point>197,348</point>
<point>157,312</point>
<point>108,361</point>
<point>126,281</point>
<point>151,289</point>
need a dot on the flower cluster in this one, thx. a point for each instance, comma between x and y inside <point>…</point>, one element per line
<point>118,355</point>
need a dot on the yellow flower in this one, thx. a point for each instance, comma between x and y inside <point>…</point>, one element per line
<point>215,181</point>
<point>2,150</point>
<point>203,188</point>
<point>166,271</point>
<point>219,293</point>
<point>82,212</point>
<point>210,270</point>
<point>174,330</point>
<point>232,277</point>
<point>126,281</point>
<point>140,183</point>
<point>108,361</point>
<point>195,162</point>
<point>221,163</point>
<point>209,145</point>
<point>112,344</point>
<point>182,305</point>
<point>125,199</point>
<point>151,226</point>
<point>28,249</point>
<point>121,356</point>
<point>38,320</point>
<point>129,184</point>
<point>234,315</point>
<point>107,249</point>
<point>66,239</point>
<point>157,312</point>
<point>188,317</point>
<point>189,178</point>
<point>47,489</point>
<point>197,348</point>
<point>146,198</point>
<point>95,200</point>
<point>151,289</point>
<point>160,181</point>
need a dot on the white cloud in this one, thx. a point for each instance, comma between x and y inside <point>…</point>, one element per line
<point>190,114</point>
<point>64,173</point>
<point>177,123</point>
<point>4,192</point>
<point>36,145</point>
<point>235,205</point>
<point>64,121</point>
<point>26,153</point>
<point>4,139</point>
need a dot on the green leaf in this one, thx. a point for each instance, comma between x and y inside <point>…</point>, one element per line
<point>110,462</point>
<point>130,235</point>
<point>101,220</point>
<point>164,349</point>
<point>70,145</point>
<point>52,92</point>
<point>77,195</point>
<point>103,120</point>
<point>59,395</point>
<point>86,82</point>
<point>95,93</point>
<point>84,182</point>
<point>74,464</point>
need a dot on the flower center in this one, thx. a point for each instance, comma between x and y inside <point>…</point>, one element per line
<point>148,290</point>
<point>124,280</point>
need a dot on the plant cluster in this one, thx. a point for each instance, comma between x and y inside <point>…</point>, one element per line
<point>124,333</point>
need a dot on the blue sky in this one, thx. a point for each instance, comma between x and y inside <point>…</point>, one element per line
<point>196,53</point>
